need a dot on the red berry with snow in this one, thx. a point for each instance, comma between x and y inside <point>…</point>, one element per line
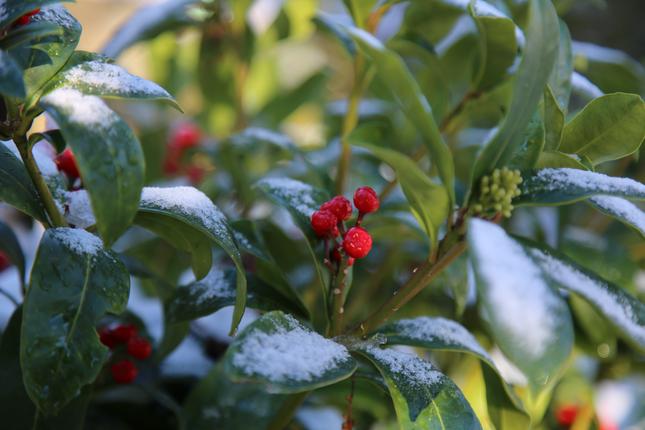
<point>357,242</point>
<point>139,348</point>
<point>566,415</point>
<point>26,18</point>
<point>66,163</point>
<point>123,333</point>
<point>324,223</point>
<point>124,372</point>
<point>366,200</point>
<point>106,335</point>
<point>339,206</point>
<point>185,136</point>
<point>5,263</point>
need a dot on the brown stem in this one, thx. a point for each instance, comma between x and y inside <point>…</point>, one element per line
<point>338,298</point>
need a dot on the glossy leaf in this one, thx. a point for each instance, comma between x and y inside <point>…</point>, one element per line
<point>560,79</point>
<point>428,201</point>
<point>10,246</point>
<point>527,318</point>
<point>553,121</point>
<point>446,335</point>
<point>409,97</point>
<point>11,83</point>
<point>623,210</point>
<point>558,160</point>
<point>285,356</point>
<point>108,154</point>
<point>188,219</point>
<point>94,75</point>
<point>16,187</point>
<point>608,128</point>
<point>566,185</point>
<point>538,58</point>
<point>423,397</point>
<point>625,312</point>
<point>74,282</point>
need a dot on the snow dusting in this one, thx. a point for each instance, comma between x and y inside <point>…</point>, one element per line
<point>580,84</point>
<point>78,210</point>
<point>513,285</point>
<point>296,193</point>
<point>110,78</point>
<point>213,286</point>
<point>613,304</point>
<point>592,182</point>
<point>79,241</point>
<point>412,369</point>
<point>291,352</point>
<point>187,201</point>
<point>82,109</point>
<point>621,208</point>
<point>440,330</point>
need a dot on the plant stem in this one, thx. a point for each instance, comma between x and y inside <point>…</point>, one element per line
<point>285,414</point>
<point>421,278</point>
<point>56,219</point>
<point>349,123</point>
<point>338,299</point>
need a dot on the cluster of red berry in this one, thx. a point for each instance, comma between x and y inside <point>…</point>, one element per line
<point>66,163</point>
<point>567,414</point>
<point>185,137</point>
<point>5,263</point>
<point>26,18</point>
<point>125,371</point>
<point>329,222</point>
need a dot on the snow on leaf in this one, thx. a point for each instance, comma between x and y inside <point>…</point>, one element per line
<point>79,241</point>
<point>622,209</point>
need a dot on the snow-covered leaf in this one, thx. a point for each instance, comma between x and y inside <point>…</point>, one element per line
<point>278,351</point>
<point>621,209</point>
<point>74,282</point>
<point>625,312</point>
<point>423,397</point>
<point>189,220</point>
<point>108,153</point>
<point>505,408</point>
<point>566,185</point>
<point>11,10</point>
<point>527,318</point>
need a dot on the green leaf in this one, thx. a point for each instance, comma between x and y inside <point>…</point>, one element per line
<point>625,312</point>
<point>94,75</point>
<point>188,219</point>
<point>558,160</point>
<point>14,9</point>
<point>216,402</point>
<point>16,187</point>
<point>621,209</point>
<point>538,59</point>
<point>423,397</point>
<point>527,318</point>
<point>11,247</point>
<point>147,23</point>
<point>498,44</point>
<point>54,137</point>
<point>565,185</point>
<point>553,121</point>
<point>29,35</point>
<point>57,48</point>
<point>428,201</point>
<point>11,83</point>
<point>327,23</point>
<point>560,79</point>
<point>409,97</point>
<point>74,282</point>
<point>447,335</point>
<point>108,153</point>
<point>217,290</point>
<point>608,128</point>
<point>285,356</point>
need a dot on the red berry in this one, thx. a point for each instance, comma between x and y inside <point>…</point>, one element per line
<point>324,223</point>
<point>5,263</point>
<point>26,18</point>
<point>123,333</point>
<point>106,335</point>
<point>124,372</point>
<point>565,415</point>
<point>366,200</point>
<point>350,261</point>
<point>139,348</point>
<point>185,136</point>
<point>66,163</point>
<point>339,206</point>
<point>357,242</point>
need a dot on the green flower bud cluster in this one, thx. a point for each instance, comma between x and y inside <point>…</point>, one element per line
<point>497,191</point>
